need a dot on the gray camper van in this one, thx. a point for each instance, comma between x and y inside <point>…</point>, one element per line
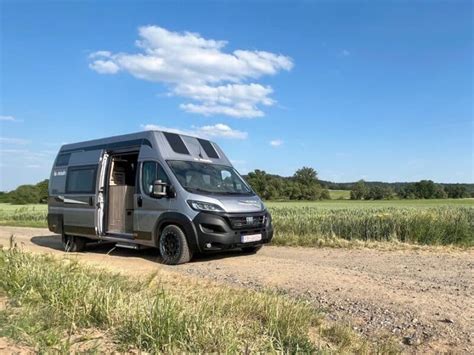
<point>174,192</point>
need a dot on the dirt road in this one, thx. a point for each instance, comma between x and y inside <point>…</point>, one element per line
<point>424,298</point>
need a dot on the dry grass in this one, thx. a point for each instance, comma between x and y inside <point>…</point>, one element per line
<point>56,304</point>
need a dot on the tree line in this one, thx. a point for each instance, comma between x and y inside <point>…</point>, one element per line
<point>26,194</point>
<point>424,189</point>
<point>303,185</point>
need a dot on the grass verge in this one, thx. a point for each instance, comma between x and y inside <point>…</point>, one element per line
<point>54,304</point>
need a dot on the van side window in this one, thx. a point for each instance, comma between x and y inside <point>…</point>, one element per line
<point>81,179</point>
<point>152,171</point>
<point>63,159</point>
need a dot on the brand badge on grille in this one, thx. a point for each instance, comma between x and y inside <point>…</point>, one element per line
<point>249,220</point>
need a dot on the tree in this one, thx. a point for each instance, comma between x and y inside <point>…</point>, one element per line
<point>258,179</point>
<point>456,191</point>
<point>379,193</point>
<point>359,191</point>
<point>424,189</point>
<point>303,185</point>
<point>42,188</point>
<point>306,176</point>
<point>25,194</point>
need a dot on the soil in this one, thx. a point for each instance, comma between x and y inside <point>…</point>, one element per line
<point>422,298</point>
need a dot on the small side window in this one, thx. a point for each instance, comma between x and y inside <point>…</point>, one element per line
<point>152,171</point>
<point>81,180</point>
<point>63,159</point>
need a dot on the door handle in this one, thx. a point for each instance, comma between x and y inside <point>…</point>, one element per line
<point>139,201</point>
<point>91,202</point>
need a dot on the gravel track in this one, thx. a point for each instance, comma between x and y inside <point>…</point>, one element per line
<point>424,298</point>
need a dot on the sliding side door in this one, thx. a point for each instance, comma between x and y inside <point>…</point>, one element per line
<point>80,195</point>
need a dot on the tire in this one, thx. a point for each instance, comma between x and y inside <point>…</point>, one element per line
<point>173,246</point>
<point>73,244</point>
<point>252,250</point>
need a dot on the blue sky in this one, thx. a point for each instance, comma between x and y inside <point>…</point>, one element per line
<point>355,89</point>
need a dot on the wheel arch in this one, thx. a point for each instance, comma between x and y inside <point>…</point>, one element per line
<point>181,221</point>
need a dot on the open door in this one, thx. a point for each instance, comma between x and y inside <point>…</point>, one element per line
<point>100,205</point>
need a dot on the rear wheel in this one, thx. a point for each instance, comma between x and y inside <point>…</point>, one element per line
<point>173,246</point>
<point>73,243</point>
<point>252,250</point>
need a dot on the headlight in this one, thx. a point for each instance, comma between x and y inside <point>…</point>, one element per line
<point>204,206</point>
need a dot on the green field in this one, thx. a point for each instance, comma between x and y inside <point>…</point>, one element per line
<point>361,204</point>
<point>23,215</point>
<point>339,194</point>
<point>420,222</point>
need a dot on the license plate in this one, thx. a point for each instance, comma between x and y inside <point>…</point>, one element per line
<point>251,238</point>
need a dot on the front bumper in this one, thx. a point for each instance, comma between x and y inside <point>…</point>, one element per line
<point>221,231</point>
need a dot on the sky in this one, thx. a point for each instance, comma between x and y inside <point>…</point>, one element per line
<point>373,90</point>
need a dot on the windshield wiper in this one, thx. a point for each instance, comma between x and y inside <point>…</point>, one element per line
<point>236,193</point>
<point>197,189</point>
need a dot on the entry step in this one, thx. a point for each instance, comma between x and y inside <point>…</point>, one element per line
<point>127,246</point>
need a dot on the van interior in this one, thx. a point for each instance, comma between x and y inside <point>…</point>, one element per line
<point>121,188</point>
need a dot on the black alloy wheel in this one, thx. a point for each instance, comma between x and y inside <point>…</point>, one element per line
<point>173,246</point>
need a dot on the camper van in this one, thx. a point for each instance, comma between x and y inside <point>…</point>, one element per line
<point>156,189</point>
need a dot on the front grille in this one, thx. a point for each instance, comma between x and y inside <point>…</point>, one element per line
<point>247,222</point>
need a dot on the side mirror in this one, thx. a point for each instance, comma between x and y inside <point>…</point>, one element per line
<point>159,189</point>
<point>170,191</point>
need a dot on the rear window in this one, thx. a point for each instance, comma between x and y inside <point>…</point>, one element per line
<point>81,179</point>
<point>176,143</point>
<point>63,159</point>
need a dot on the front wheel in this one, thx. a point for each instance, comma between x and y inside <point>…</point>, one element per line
<point>73,243</point>
<point>252,250</point>
<point>173,246</point>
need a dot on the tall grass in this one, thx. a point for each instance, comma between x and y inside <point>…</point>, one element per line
<point>28,216</point>
<point>425,222</point>
<point>308,226</point>
<point>52,300</point>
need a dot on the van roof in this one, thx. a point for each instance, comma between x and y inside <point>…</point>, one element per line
<point>169,145</point>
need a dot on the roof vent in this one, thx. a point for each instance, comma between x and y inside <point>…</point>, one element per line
<point>176,143</point>
<point>208,148</point>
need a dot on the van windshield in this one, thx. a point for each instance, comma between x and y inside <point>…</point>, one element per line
<point>209,178</point>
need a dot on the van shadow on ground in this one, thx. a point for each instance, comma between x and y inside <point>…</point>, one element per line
<point>151,254</point>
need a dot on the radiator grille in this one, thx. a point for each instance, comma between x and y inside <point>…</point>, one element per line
<point>247,222</point>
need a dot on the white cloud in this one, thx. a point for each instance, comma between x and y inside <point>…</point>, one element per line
<point>236,100</point>
<point>105,54</point>
<point>345,53</point>
<point>7,118</point>
<point>18,141</point>
<point>218,130</point>
<point>33,166</point>
<point>199,70</point>
<point>241,110</point>
<point>276,142</point>
<point>104,66</point>
<point>222,130</point>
